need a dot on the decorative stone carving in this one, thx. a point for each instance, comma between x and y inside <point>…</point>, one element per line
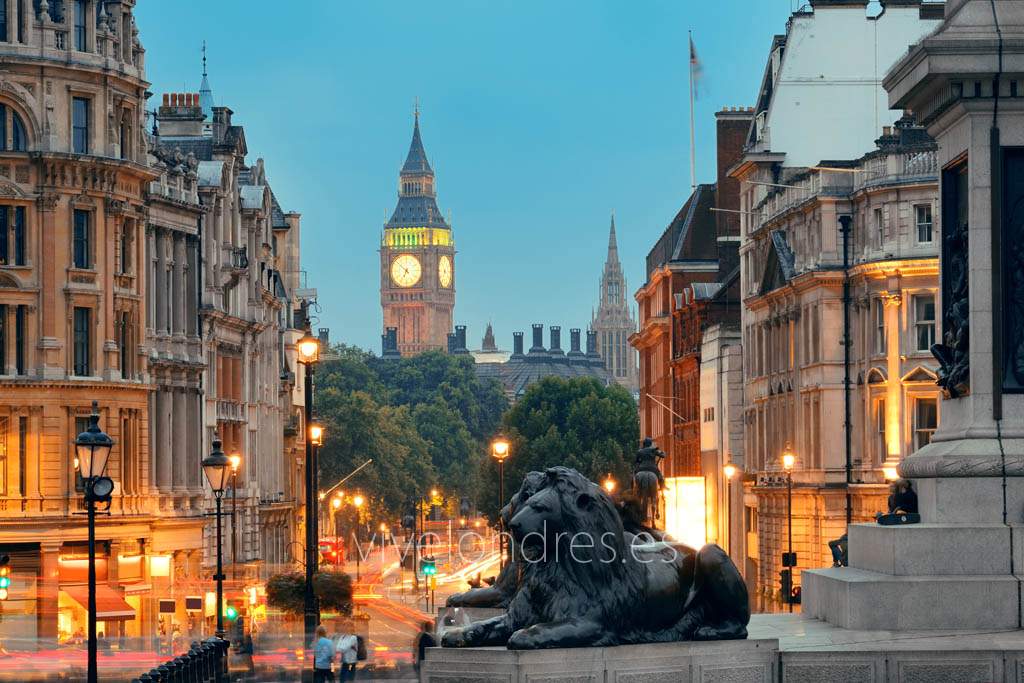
<point>953,352</point>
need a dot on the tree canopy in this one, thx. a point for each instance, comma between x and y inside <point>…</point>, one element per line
<point>424,420</point>
<point>578,422</point>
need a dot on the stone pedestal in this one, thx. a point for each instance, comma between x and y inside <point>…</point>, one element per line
<point>734,661</point>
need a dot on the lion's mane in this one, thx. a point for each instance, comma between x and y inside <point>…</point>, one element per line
<point>595,582</point>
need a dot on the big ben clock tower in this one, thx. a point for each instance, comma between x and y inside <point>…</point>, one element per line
<point>417,259</point>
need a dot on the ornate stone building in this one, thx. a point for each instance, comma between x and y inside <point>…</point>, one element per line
<point>614,322</point>
<point>249,316</point>
<point>417,259</point>
<point>792,286</point>
<point>73,214</point>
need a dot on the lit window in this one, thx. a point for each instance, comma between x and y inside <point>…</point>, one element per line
<point>924,320</point>
<point>926,420</point>
<point>923,215</point>
<point>880,428</point>
<point>879,326</point>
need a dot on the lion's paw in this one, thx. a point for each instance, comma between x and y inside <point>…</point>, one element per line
<point>522,640</point>
<point>454,637</point>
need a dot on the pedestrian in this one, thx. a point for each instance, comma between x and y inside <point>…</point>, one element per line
<point>323,655</point>
<point>424,639</point>
<point>347,646</point>
<point>905,499</point>
<point>840,548</point>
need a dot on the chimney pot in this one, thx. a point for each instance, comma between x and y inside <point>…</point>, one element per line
<point>167,99</point>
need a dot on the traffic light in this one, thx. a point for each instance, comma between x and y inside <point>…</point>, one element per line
<point>231,613</point>
<point>5,576</point>
<point>428,567</point>
<point>786,585</point>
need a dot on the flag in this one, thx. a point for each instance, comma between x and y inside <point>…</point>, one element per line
<point>696,70</point>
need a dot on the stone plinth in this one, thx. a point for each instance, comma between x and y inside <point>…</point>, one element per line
<point>727,661</point>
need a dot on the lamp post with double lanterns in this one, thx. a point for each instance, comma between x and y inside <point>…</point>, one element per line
<point>92,449</point>
<point>216,467</point>
<point>308,350</point>
<point>500,450</point>
<point>789,558</point>
<point>236,462</point>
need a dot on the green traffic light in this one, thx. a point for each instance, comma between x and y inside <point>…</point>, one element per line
<point>231,613</point>
<point>5,582</point>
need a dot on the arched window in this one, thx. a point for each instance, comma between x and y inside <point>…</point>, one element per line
<point>13,136</point>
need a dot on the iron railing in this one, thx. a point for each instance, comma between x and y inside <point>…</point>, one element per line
<point>205,662</point>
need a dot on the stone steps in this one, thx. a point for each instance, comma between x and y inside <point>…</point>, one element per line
<point>861,599</point>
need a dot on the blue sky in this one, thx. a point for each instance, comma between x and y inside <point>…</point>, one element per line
<point>539,118</point>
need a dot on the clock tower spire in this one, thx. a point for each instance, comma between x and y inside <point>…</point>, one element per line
<point>417,258</point>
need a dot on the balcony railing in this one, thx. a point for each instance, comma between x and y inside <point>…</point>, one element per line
<point>230,410</point>
<point>239,258</point>
<point>896,168</point>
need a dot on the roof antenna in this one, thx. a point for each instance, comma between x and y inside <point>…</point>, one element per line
<point>416,108</point>
<point>204,57</point>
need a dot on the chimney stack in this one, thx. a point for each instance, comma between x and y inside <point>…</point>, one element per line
<point>556,341</point>
<point>575,355</point>
<point>592,355</point>
<point>517,345</point>
<point>460,340</point>
<point>538,339</point>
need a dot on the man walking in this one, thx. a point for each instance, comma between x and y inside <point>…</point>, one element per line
<point>323,655</point>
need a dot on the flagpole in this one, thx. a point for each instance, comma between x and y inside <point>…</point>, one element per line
<point>693,151</point>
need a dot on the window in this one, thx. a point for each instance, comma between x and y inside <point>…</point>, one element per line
<point>125,134</point>
<point>82,346</point>
<point>20,330</point>
<point>12,131</point>
<point>4,428</point>
<point>3,22</point>
<point>80,25</point>
<point>125,249</point>
<point>81,424</point>
<point>880,339</point>
<point>22,453</point>
<point>80,125</point>
<point>880,429</point>
<point>82,247</point>
<point>12,235</point>
<point>879,227</point>
<point>923,214</point>
<point>3,343</point>
<point>926,419</point>
<point>924,320</point>
<point>125,344</point>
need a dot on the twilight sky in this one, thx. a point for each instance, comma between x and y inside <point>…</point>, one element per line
<point>538,116</point>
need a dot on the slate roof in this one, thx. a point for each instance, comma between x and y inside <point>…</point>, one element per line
<point>519,373</point>
<point>416,161</point>
<point>417,212</point>
<point>692,234</point>
<point>202,147</point>
<point>276,213</point>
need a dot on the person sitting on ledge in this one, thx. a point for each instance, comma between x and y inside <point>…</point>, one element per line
<point>902,499</point>
<point>840,548</point>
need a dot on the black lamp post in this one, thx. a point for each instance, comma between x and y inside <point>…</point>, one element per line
<point>500,449</point>
<point>308,350</point>
<point>788,460</point>
<point>92,449</point>
<point>216,466</point>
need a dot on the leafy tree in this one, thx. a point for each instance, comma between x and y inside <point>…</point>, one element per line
<point>286,592</point>
<point>578,422</point>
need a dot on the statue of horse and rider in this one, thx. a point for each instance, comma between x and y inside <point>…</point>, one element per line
<point>648,481</point>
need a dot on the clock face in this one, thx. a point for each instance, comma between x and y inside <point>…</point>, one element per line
<point>444,271</point>
<point>406,270</point>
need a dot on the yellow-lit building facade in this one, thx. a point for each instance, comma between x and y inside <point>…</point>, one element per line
<point>73,182</point>
<point>793,351</point>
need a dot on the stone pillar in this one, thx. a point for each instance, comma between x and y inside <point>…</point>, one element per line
<point>180,439</point>
<point>894,387</point>
<point>178,285</point>
<point>160,282</point>
<point>162,442</point>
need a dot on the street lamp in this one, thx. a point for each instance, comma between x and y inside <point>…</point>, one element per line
<point>729,471</point>
<point>92,449</point>
<point>236,462</point>
<point>500,450</point>
<point>316,434</point>
<point>788,460</point>
<point>358,501</point>
<point>308,351</point>
<point>609,484</point>
<point>215,467</point>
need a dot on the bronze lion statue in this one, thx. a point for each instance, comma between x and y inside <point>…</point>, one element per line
<point>584,581</point>
<point>507,582</point>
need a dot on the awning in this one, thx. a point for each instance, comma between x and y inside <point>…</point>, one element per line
<point>110,605</point>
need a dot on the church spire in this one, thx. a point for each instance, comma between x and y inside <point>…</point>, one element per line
<point>205,93</point>
<point>613,246</point>
<point>416,161</point>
